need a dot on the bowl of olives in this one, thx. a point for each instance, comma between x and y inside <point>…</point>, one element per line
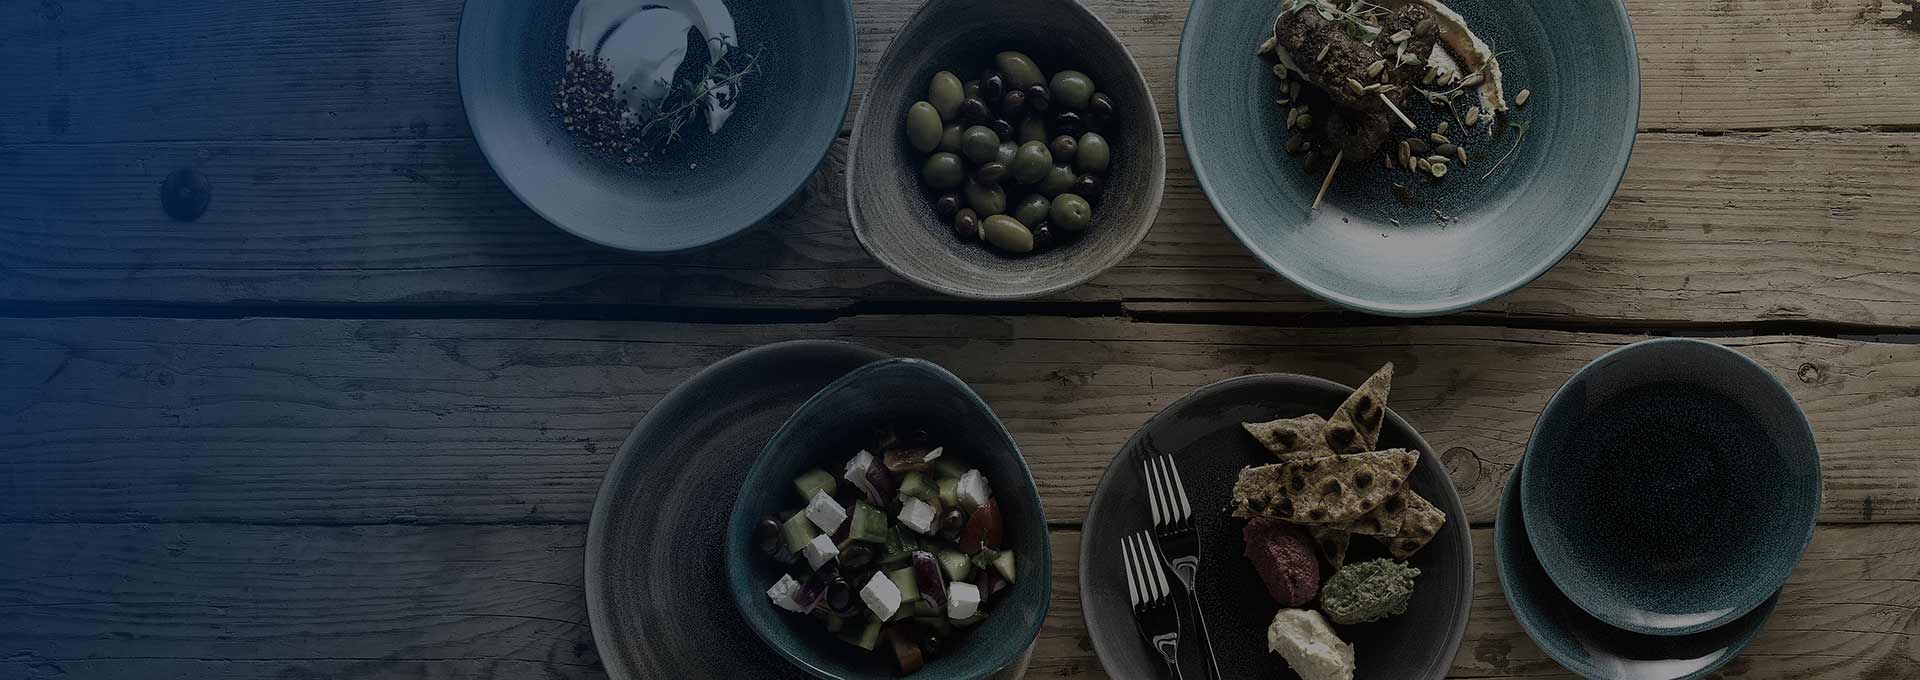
<point>1008,149</point>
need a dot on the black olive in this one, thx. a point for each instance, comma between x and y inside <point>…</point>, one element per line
<point>947,205</point>
<point>973,110</point>
<point>1013,104</point>
<point>770,536</point>
<point>1043,237</point>
<point>1001,127</point>
<point>1099,111</point>
<point>1068,123</point>
<point>856,556</point>
<point>185,194</point>
<point>1088,186</point>
<point>966,224</point>
<point>1039,99</point>
<point>992,85</point>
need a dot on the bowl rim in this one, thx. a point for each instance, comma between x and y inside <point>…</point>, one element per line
<point>1157,175</point>
<point>1532,620</point>
<point>748,597</point>
<point>1245,235</point>
<point>1464,584</point>
<point>1751,597</point>
<point>851,50</point>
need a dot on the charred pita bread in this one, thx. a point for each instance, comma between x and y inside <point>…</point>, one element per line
<point>1329,490</point>
<point>1356,426</point>
<point>1423,522</point>
<point>1332,543</point>
<point>1290,438</point>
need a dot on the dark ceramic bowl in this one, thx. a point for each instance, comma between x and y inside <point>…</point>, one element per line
<point>1589,646</point>
<point>1670,486</point>
<point>824,433</point>
<point>706,187</point>
<point>893,211</point>
<point>1370,250</point>
<point>1202,433</point>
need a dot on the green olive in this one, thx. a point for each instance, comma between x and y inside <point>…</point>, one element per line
<point>1031,163</point>
<point>1093,153</point>
<point>1004,155</point>
<point>1019,70</point>
<point>1058,181</point>
<point>1070,212</point>
<point>1007,234</point>
<point>1033,129</point>
<point>1032,210</point>
<point>950,137</point>
<point>946,93</point>
<point>985,199</point>
<point>990,173</point>
<point>923,127</point>
<point>943,171</point>
<point>1071,89</point>
<point>979,144</point>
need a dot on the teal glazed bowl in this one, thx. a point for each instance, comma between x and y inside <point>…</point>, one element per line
<point>703,189</point>
<point>1588,646</point>
<point>1438,246</point>
<point>1670,487</point>
<point>827,431</point>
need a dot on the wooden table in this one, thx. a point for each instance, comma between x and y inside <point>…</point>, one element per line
<point>350,423</point>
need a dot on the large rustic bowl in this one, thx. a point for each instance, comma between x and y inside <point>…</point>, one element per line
<point>706,188</point>
<point>823,434</point>
<point>892,210</point>
<point>1368,248</point>
<point>1670,487</point>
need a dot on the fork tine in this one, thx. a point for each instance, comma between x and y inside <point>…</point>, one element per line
<point>1153,492</point>
<point>1133,576</point>
<point>1159,569</point>
<point>1185,511</point>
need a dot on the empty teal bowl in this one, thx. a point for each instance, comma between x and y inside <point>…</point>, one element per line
<point>827,431</point>
<point>705,188</point>
<point>1369,248</point>
<point>1670,487</point>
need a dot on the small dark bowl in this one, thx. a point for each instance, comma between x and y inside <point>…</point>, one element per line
<point>1589,646</point>
<point>893,211</point>
<point>1671,486</point>
<point>705,188</point>
<point>824,433</point>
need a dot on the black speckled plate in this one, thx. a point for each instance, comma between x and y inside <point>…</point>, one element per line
<point>656,586</point>
<point>1202,432</point>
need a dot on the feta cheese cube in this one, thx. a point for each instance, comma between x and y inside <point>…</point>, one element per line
<point>973,490</point>
<point>963,600</point>
<point>820,550</point>
<point>857,472</point>
<point>782,594</point>
<point>935,454</point>
<point>881,596</point>
<point>825,512</point>
<point>917,515</point>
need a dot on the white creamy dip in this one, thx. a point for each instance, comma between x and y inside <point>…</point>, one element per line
<point>644,42</point>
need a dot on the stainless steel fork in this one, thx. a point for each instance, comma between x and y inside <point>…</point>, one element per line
<point>1173,531</point>
<point>1148,590</point>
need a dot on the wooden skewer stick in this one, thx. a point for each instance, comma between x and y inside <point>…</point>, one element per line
<point>1396,111</point>
<point>1328,181</point>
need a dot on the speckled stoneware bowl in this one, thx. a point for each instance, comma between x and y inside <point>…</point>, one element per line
<point>706,187</point>
<point>1371,250</point>
<point>1670,486</point>
<point>1203,435</point>
<point>1589,646</point>
<point>892,210</point>
<point>824,433</point>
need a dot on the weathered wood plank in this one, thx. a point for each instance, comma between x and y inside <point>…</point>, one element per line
<point>302,421</point>
<point>144,602</point>
<point>340,69</point>
<point>1737,228</point>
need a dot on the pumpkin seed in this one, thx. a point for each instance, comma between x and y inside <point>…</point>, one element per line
<point>1293,89</point>
<point>1293,117</point>
<point>1439,138</point>
<point>1421,165</point>
<point>1401,36</point>
<point>1355,86</point>
<point>1521,99</point>
<point>1406,153</point>
<point>1282,102</point>
<point>1441,129</point>
<point>1473,80</point>
<point>1306,120</point>
<point>1374,69</point>
<point>1473,116</point>
<point>1437,160</point>
<point>1280,71</point>
<point>1439,170</point>
<point>1460,152</point>
<point>1389,162</point>
<point>1322,56</point>
<point>1428,79</point>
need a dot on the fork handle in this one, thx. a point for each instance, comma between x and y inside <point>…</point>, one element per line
<point>1189,577</point>
<point>1170,652</point>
